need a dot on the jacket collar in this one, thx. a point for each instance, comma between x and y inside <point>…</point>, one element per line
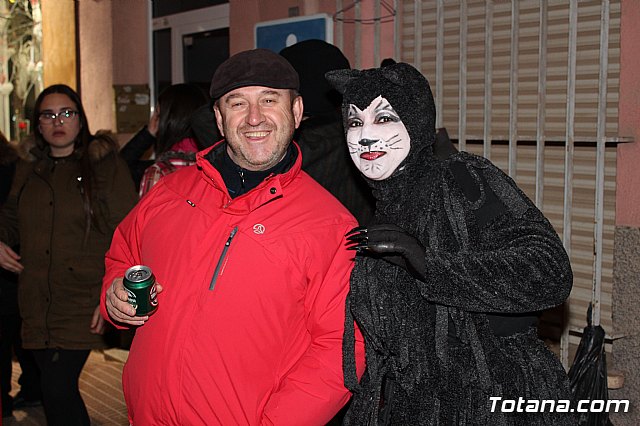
<point>274,186</point>
<point>45,154</point>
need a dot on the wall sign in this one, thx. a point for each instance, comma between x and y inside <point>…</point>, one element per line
<point>132,107</point>
<point>281,33</point>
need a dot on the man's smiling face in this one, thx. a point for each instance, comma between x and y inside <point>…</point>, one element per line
<point>258,124</point>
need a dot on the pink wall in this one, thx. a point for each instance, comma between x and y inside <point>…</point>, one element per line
<point>95,60</point>
<point>132,67</point>
<point>109,56</point>
<point>628,157</point>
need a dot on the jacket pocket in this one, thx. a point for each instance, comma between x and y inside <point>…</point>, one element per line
<point>223,255</point>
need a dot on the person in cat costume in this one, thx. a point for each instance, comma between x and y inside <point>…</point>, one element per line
<point>450,275</point>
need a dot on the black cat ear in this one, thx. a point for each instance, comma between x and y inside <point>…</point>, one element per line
<point>340,79</point>
<point>403,74</point>
<point>394,73</point>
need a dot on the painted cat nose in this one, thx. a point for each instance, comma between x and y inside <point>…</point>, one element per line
<point>367,142</point>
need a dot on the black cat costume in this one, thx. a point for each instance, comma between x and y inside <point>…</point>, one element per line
<point>449,318</point>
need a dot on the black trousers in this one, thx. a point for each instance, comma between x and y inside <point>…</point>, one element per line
<point>10,345</point>
<point>60,372</point>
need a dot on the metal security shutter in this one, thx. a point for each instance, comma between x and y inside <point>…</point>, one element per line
<point>527,84</point>
<point>419,39</point>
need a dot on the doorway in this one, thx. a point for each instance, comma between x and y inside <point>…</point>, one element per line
<point>188,47</point>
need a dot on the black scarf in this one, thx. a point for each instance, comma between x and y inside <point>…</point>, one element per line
<point>239,180</point>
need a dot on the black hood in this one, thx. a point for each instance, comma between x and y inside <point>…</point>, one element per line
<point>312,59</point>
<point>408,92</point>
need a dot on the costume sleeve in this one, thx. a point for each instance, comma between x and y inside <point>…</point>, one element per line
<point>517,265</point>
<point>313,391</point>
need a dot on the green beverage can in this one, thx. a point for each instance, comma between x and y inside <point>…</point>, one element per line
<point>140,284</point>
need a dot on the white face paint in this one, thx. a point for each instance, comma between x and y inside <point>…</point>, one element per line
<point>378,140</point>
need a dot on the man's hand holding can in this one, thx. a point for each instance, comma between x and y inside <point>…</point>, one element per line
<point>118,307</point>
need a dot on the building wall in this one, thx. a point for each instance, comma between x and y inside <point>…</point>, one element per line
<point>58,43</point>
<point>95,37</point>
<point>114,43</point>
<point>626,299</point>
<point>130,48</point>
<point>244,14</point>
<point>626,273</point>
<point>130,42</point>
<point>113,47</point>
<point>96,70</point>
<point>628,186</point>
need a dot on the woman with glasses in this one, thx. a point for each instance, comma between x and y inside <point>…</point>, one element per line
<point>63,207</point>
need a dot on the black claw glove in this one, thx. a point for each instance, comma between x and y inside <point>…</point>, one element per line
<point>393,244</point>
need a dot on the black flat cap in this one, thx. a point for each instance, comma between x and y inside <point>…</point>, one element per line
<point>258,67</point>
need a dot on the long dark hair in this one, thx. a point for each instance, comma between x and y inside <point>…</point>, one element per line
<point>81,147</point>
<point>177,104</point>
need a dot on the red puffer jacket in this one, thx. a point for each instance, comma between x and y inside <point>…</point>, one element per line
<point>250,322</point>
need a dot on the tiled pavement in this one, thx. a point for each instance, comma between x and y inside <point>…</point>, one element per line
<point>101,389</point>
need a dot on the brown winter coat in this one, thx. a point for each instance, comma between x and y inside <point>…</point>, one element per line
<point>60,285</point>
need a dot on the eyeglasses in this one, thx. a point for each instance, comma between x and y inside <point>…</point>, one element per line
<point>50,117</point>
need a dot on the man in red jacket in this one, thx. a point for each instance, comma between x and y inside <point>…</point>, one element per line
<point>250,255</point>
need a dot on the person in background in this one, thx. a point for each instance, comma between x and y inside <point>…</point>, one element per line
<point>450,275</point>
<point>320,135</point>
<point>169,133</point>
<point>176,145</point>
<point>203,125</point>
<point>135,151</point>
<point>62,209</point>
<point>10,322</point>
<point>252,270</point>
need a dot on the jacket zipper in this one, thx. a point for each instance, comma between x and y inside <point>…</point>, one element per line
<point>216,273</point>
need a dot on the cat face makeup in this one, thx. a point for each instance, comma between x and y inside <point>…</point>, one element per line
<point>377,139</point>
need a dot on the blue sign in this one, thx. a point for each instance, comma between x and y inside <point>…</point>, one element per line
<point>276,35</point>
